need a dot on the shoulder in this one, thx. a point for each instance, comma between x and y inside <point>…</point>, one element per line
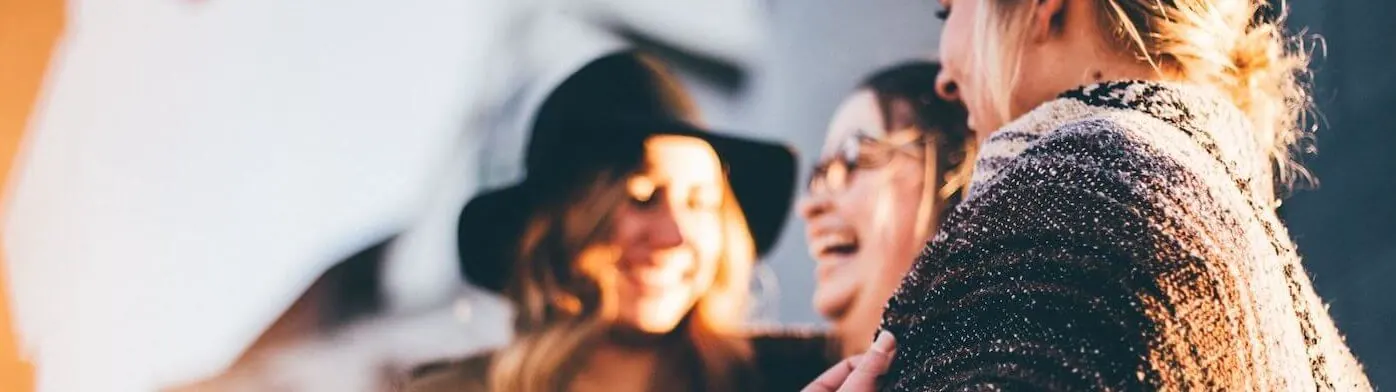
<point>1122,182</point>
<point>1127,142</point>
<point>468,374</point>
<point>1121,156</point>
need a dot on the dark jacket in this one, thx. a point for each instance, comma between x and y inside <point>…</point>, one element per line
<point>1120,237</point>
<point>784,361</point>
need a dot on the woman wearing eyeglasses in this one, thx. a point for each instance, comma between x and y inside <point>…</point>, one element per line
<point>891,166</point>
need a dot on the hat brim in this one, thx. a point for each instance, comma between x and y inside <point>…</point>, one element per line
<point>761,174</point>
<point>487,238</point>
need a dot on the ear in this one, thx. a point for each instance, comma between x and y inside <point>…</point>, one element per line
<point>1047,18</point>
<point>946,87</point>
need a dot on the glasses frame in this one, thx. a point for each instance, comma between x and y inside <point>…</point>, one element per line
<point>860,151</point>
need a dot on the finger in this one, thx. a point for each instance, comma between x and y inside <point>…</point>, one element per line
<point>833,378</point>
<point>874,363</point>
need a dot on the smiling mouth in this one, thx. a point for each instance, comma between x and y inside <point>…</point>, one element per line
<point>840,250</point>
<point>837,247</point>
<point>655,280</point>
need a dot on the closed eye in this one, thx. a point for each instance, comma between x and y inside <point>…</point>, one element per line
<point>943,12</point>
<point>643,192</point>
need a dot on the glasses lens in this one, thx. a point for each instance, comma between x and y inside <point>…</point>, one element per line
<point>836,176</point>
<point>854,153</point>
<point>830,175</point>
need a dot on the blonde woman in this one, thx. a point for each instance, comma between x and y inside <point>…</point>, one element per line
<point>1120,230</point>
<point>633,240</point>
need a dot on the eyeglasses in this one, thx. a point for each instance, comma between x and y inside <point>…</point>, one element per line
<point>858,152</point>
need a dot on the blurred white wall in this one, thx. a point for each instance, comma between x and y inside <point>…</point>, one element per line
<point>193,166</point>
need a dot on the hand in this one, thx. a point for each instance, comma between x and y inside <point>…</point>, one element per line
<point>858,373</point>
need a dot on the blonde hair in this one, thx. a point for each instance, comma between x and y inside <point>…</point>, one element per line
<point>945,178</point>
<point>1229,45</point>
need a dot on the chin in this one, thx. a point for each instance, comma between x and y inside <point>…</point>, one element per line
<point>831,306</point>
<point>659,317</point>
<point>657,326</point>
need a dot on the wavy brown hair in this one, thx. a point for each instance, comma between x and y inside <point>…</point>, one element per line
<point>566,306</point>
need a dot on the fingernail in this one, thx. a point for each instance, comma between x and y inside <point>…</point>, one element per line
<point>884,342</point>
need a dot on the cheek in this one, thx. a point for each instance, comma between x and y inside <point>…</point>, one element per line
<point>704,235</point>
<point>896,206</point>
<point>898,241</point>
<point>954,44</point>
<point>857,204</point>
<point>957,56</point>
<point>708,253</point>
<point>882,205</point>
<point>626,226</point>
<point>905,194</point>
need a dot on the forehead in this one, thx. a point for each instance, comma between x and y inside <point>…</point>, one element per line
<point>681,158</point>
<point>858,112</point>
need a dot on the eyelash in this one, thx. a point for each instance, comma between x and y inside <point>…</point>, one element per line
<point>696,203</point>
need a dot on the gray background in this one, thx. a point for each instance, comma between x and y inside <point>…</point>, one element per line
<point>1346,228</point>
<point>818,51</point>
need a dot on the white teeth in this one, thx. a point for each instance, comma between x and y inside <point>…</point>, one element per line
<point>826,242</point>
<point>658,276</point>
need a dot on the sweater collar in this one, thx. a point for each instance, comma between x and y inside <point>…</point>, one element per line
<point>1206,116</point>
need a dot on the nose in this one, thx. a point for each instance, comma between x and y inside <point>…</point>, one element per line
<point>664,231</point>
<point>946,87</point>
<point>814,205</point>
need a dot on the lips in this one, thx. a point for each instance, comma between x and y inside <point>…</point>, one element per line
<point>655,277</point>
<point>834,245</point>
<point>833,250</point>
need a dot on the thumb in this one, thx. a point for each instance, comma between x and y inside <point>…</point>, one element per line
<point>872,365</point>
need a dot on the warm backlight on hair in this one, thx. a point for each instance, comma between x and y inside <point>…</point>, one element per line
<point>28,31</point>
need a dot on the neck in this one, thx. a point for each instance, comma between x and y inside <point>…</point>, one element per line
<point>639,340</point>
<point>852,339</point>
<point>1120,70</point>
<point>1083,55</point>
<point>617,368</point>
<point>855,330</point>
<point>626,361</point>
<point>1072,73</point>
<point>1107,67</point>
<point>1085,59</point>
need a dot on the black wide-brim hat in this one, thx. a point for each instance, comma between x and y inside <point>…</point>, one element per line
<point>568,143</point>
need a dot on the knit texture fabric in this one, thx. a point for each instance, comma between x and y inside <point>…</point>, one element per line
<point>1120,237</point>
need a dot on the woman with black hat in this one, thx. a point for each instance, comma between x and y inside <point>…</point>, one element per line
<point>628,249</point>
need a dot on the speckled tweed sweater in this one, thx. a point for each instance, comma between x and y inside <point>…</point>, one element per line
<point>1120,237</point>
